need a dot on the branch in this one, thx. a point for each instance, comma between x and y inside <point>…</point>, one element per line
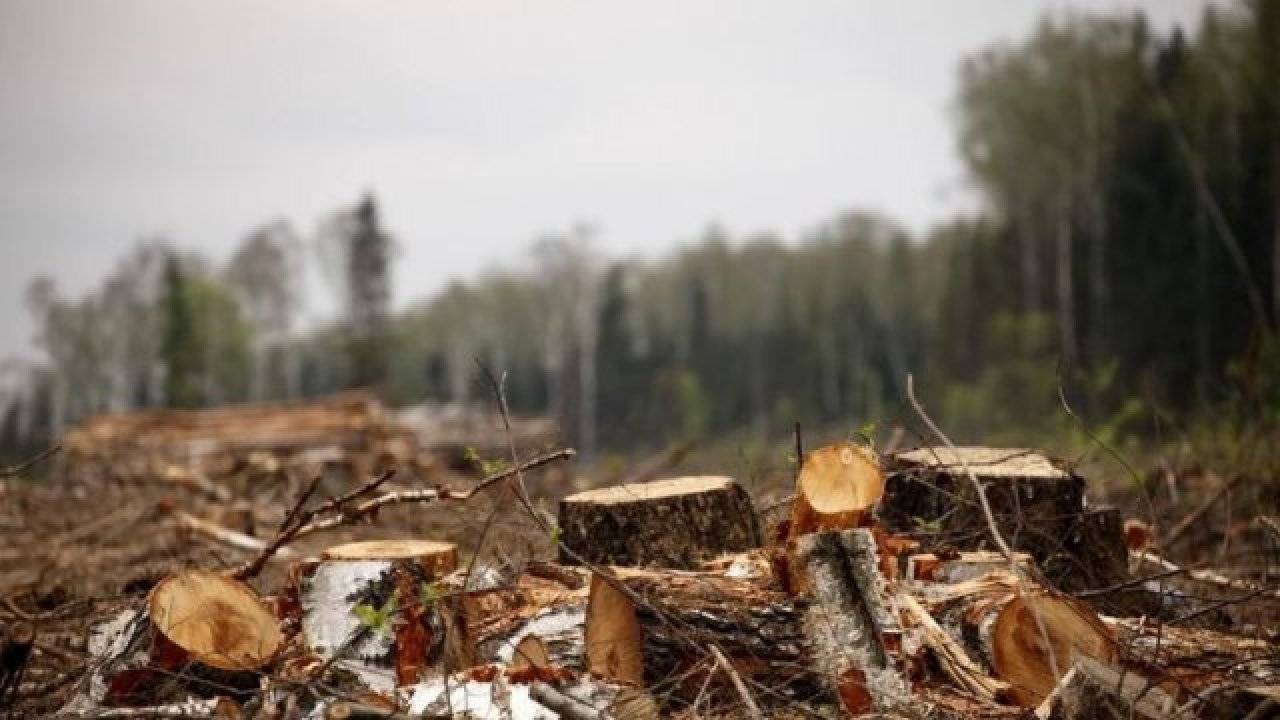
<point>25,465</point>
<point>991,520</point>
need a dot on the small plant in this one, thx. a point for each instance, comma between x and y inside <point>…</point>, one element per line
<point>378,620</point>
<point>429,593</point>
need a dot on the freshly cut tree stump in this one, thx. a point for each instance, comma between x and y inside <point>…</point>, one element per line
<point>371,607</point>
<point>1038,507</point>
<point>1005,622</point>
<point>837,488</point>
<point>201,633</point>
<point>219,621</point>
<point>673,523</point>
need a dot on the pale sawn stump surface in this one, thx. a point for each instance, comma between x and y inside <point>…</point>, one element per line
<point>673,523</point>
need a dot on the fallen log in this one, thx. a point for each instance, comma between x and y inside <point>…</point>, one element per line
<point>758,628</point>
<point>853,628</point>
<point>672,523</point>
<point>369,607</point>
<point>1026,635</point>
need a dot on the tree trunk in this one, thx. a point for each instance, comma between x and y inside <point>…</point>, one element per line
<point>1037,506</point>
<point>1004,621</point>
<point>853,630</point>
<point>368,606</point>
<point>1030,261</point>
<point>759,629</point>
<point>674,523</point>
<point>1064,284</point>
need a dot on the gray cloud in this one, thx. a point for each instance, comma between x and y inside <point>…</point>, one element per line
<point>477,125</point>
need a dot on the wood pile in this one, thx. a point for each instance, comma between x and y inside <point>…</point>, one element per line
<point>882,594</point>
<point>208,449</point>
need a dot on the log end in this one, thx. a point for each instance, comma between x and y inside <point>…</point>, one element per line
<point>1020,655</point>
<point>221,622</point>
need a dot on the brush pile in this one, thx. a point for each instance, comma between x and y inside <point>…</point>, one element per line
<point>937,582</point>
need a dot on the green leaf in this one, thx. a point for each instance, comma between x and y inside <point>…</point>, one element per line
<point>369,616</point>
<point>868,431</point>
<point>378,620</point>
<point>429,593</point>
<point>555,535</point>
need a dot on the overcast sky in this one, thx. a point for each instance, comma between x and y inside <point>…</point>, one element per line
<point>478,125</point>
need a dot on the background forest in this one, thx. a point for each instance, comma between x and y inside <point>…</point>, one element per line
<point>1127,251</point>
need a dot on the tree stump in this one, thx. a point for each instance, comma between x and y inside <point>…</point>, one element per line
<point>838,486</point>
<point>201,633</point>
<point>673,523</point>
<point>371,608</point>
<point>1038,507</point>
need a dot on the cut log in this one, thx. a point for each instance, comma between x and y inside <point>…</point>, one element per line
<point>758,628</point>
<point>959,567</point>
<point>614,642</point>
<point>1005,622</point>
<point>220,622</point>
<point>200,633</point>
<point>1019,653</point>
<point>370,608</point>
<point>837,488</point>
<point>853,630</point>
<point>673,523</point>
<point>1038,507</point>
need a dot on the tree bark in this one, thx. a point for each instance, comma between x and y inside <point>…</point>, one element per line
<point>850,621</point>
<point>1038,507</point>
<point>364,606</point>
<point>675,523</point>
<point>760,630</point>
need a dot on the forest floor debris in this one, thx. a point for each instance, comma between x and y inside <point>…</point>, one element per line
<point>294,594</point>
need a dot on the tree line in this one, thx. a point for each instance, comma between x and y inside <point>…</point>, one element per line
<point>1127,258</point>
